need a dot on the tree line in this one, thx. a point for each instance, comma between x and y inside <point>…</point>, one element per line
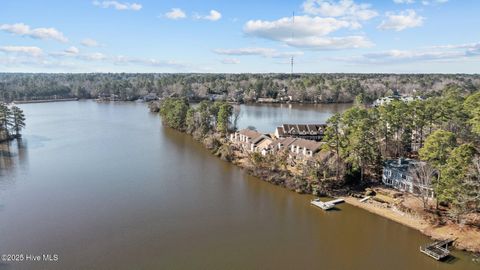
<point>12,121</point>
<point>206,117</point>
<point>320,88</point>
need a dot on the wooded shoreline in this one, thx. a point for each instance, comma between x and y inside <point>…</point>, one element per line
<point>208,123</point>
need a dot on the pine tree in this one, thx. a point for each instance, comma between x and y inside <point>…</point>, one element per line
<point>18,120</point>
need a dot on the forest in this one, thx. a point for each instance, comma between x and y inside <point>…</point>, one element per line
<point>312,88</point>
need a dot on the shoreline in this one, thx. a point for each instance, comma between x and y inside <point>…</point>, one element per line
<point>44,100</point>
<point>466,239</point>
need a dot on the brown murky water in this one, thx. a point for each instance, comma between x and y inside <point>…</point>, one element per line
<point>105,186</point>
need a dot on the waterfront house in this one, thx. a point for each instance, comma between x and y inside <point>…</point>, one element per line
<point>217,97</point>
<point>262,144</point>
<point>253,141</point>
<point>246,137</point>
<point>304,131</point>
<point>385,100</point>
<point>296,147</point>
<point>150,97</point>
<point>304,148</point>
<point>266,100</point>
<point>399,174</point>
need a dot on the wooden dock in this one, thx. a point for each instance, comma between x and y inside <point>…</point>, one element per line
<point>326,205</point>
<point>437,250</point>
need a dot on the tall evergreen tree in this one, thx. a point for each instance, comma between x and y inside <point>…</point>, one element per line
<point>18,120</point>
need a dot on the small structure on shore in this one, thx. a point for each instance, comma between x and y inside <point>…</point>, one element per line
<point>437,250</point>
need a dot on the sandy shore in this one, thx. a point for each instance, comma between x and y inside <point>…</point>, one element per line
<point>467,238</point>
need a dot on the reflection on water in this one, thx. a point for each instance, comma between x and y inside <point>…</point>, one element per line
<point>267,117</point>
<point>13,158</point>
<point>105,186</point>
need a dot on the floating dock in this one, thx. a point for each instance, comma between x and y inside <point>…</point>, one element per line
<point>326,205</point>
<point>437,250</point>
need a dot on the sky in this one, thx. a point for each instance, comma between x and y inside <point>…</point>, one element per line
<point>248,36</point>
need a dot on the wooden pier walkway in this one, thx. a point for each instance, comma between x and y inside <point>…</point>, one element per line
<point>437,250</point>
<point>326,205</point>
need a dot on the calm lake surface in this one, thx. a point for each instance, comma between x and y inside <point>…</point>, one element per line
<point>105,186</point>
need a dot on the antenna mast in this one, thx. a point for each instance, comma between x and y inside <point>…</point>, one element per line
<point>291,59</point>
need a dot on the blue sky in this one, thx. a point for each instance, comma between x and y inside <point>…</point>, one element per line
<point>389,36</point>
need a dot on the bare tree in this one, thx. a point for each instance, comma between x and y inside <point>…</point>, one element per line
<point>235,116</point>
<point>423,176</point>
<point>472,184</point>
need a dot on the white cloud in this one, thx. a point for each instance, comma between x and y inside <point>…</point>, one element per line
<point>230,61</point>
<point>22,50</point>
<point>433,53</point>
<point>401,21</point>
<point>406,55</point>
<point>121,60</point>
<point>342,8</point>
<point>93,56</point>
<point>471,49</point>
<point>265,52</point>
<point>22,29</point>
<point>33,58</point>
<point>176,14</point>
<point>404,1</point>
<point>304,26</point>
<point>212,16</point>
<point>69,52</point>
<point>332,43</point>
<point>433,2</point>
<point>118,5</point>
<point>72,50</point>
<point>88,42</point>
<point>308,32</point>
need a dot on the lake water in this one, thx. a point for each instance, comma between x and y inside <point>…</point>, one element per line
<point>105,186</point>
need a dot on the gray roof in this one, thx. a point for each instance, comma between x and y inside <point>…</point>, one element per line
<point>307,129</point>
<point>402,164</point>
<point>250,133</point>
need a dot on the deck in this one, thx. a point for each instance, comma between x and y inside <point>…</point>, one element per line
<point>326,205</point>
<point>437,250</point>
